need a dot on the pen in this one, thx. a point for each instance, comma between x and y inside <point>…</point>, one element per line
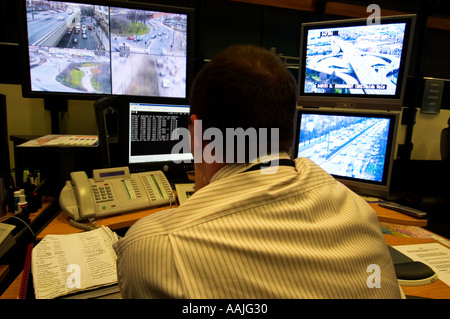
<point>25,175</point>
<point>37,180</point>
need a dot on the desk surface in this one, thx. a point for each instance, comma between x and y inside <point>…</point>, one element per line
<point>60,225</point>
<point>435,290</point>
<point>394,217</point>
<point>438,289</point>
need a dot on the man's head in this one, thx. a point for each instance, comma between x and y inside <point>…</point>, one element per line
<point>246,86</point>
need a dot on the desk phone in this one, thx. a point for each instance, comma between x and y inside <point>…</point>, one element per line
<point>184,191</point>
<point>112,191</point>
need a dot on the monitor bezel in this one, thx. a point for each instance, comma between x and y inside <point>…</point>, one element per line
<point>360,186</point>
<point>28,92</point>
<point>381,102</point>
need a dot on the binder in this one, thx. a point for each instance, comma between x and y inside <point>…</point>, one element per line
<point>24,292</point>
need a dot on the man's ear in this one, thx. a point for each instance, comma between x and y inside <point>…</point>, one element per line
<point>193,118</point>
<point>196,133</point>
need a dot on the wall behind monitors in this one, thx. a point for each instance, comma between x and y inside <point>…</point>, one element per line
<point>92,48</point>
<point>350,63</point>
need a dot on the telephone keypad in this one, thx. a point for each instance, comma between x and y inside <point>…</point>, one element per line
<point>102,193</point>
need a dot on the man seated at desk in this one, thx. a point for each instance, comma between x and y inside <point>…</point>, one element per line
<point>284,229</point>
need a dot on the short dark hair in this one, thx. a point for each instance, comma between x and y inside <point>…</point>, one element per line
<point>246,86</point>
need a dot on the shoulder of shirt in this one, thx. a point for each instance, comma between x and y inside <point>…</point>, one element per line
<point>228,195</point>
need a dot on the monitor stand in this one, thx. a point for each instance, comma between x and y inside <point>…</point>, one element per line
<point>56,105</point>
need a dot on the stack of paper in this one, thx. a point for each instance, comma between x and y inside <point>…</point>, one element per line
<point>66,264</point>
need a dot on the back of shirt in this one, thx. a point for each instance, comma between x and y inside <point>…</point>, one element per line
<point>294,234</point>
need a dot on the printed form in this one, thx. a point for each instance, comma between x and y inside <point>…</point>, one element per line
<point>435,255</point>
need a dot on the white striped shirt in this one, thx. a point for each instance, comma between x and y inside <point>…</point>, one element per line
<point>295,234</point>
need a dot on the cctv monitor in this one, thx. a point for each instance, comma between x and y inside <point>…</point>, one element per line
<point>93,48</point>
<point>355,146</point>
<point>354,64</point>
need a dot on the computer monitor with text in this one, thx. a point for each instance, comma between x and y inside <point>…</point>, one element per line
<point>152,135</point>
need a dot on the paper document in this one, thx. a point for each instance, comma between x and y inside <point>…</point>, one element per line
<point>64,264</point>
<point>63,140</point>
<point>435,255</point>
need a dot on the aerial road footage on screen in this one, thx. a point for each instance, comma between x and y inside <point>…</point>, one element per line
<point>348,146</point>
<point>354,60</point>
<point>80,48</point>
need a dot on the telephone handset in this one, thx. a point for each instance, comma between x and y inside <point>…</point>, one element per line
<point>113,191</point>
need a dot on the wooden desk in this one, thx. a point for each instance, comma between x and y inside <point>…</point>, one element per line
<point>394,217</point>
<point>13,290</point>
<point>4,271</point>
<point>61,226</point>
<point>390,216</point>
<point>435,290</point>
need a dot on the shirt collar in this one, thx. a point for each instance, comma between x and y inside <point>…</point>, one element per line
<point>236,168</point>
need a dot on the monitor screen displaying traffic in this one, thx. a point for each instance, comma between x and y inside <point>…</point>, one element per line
<point>344,145</point>
<point>354,60</point>
<point>92,49</point>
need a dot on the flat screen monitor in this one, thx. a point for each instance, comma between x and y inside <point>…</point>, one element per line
<point>92,48</point>
<point>152,135</point>
<point>355,146</point>
<point>350,63</point>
